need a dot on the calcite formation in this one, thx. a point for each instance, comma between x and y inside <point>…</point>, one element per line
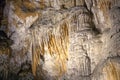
<point>59,40</point>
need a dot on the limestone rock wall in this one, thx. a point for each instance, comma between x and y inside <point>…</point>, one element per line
<point>60,40</point>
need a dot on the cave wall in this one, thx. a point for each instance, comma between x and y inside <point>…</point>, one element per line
<point>60,40</point>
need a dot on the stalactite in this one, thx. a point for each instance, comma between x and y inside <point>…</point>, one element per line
<point>74,2</point>
<point>82,2</point>
<point>111,70</point>
<point>57,43</point>
<point>105,6</point>
<point>82,17</point>
<point>42,4</point>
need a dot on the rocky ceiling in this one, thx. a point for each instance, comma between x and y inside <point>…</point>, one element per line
<point>59,40</point>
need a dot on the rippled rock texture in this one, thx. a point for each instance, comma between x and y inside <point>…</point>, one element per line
<point>60,40</point>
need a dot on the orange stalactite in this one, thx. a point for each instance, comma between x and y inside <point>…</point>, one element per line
<point>112,71</point>
<point>57,44</point>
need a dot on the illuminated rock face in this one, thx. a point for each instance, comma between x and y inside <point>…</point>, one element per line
<point>60,40</point>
